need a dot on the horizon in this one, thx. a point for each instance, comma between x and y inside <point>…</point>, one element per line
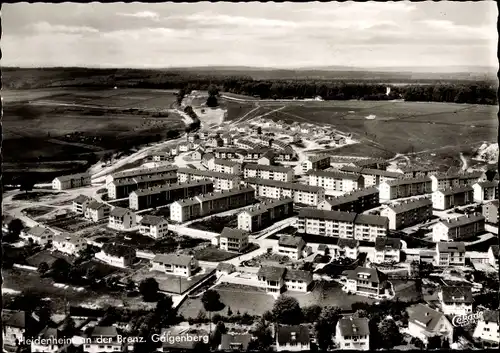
<point>273,36</point>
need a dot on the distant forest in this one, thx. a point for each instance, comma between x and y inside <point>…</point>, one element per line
<point>473,92</point>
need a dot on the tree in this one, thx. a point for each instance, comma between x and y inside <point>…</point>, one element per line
<point>445,344</point>
<point>311,313</point>
<point>434,342</point>
<point>165,310</point>
<point>212,101</point>
<point>130,285</point>
<point>15,227</point>
<point>388,333</point>
<point>211,302</point>
<point>360,314</point>
<point>149,289</point>
<point>259,130</point>
<point>59,270</point>
<point>43,268</point>
<point>26,184</point>
<point>106,157</point>
<point>220,329</point>
<point>68,327</point>
<point>180,95</point>
<point>287,311</point>
<point>229,311</point>
<point>213,90</point>
<point>263,338</point>
<point>171,134</point>
<point>324,333</point>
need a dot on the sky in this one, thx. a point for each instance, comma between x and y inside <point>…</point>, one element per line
<point>279,35</point>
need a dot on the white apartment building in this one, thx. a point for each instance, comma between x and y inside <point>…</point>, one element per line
<point>456,300</point>
<point>444,199</point>
<point>316,162</point>
<point>269,172</point>
<point>221,181</point>
<point>450,254</point>
<point>300,193</point>
<point>485,191</point>
<point>121,219</point>
<point>448,181</point>
<point>408,213</point>
<point>80,203</point>
<point>387,250</point>
<point>71,181</point>
<point>175,264</point>
<point>265,214</point>
<point>153,226</point>
<point>400,188</point>
<point>97,211</point>
<point>372,176</point>
<point>69,243</point>
<point>458,228</point>
<point>337,181</point>
<point>353,334</point>
<point>225,166</point>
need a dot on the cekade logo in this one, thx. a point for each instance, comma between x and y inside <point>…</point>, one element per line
<point>464,320</point>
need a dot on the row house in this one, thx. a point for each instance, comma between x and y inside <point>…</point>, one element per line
<point>121,188</point>
<point>446,181</point>
<point>80,203</point>
<point>367,282</point>
<point>291,246</point>
<point>225,166</point>
<point>300,193</point>
<point>337,181</point>
<point>485,191</point>
<point>372,177</point>
<point>387,250</point>
<point>456,300</point>
<point>69,243</point>
<point>133,173</point>
<point>229,153</point>
<point>163,195</point>
<point>452,197</point>
<point>71,181</point>
<point>221,181</point>
<point>401,188</point>
<point>487,328</point>
<point>357,201</point>
<point>175,264</point>
<point>265,214</point>
<point>279,279</point>
<point>353,334</point>
<point>417,171</point>
<point>214,202</point>
<point>153,226</point>
<point>425,322</point>
<point>39,235</point>
<point>342,224</point>
<point>97,211</point>
<point>449,254</point>
<point>316,163</point>
<point>269,172</point>
<point>232,240</point>
<point>458,228</point>
<point>371,163</point>
<point>116,255</point>
<point>490,212</point>
<point>121,219</point>
<point>408,213</point>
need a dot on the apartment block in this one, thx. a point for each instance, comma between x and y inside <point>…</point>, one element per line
<point>387,250</point>
<point>408,213</point>
<point>458,228</point>
<point>140,172</point>
<point>221,181</point>
<point>268,172</point>
<point>153,226</point>
<point>225,166</point>
<point>401,188</point>
<point>300,193</point>
<point>450,254</point>
<point>337,181</point>
<point>265,214</point>
<point>372,177</point>
<point>417,171</point>
<point>71,181</point>
<point>163,195</point>
<point>485,191</point>
<point>121,188</point>
<point>443,181</point>
<point>229,153</point>
<point>452,197</point>
<point>356,201</point>
<point>490,212</point>
<point>233,240</point>
<point>315,163</point>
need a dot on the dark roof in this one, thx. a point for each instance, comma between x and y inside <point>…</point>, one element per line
<point>38,231</point>
<point>330,215</point>
<point>225,193</point>
<point>233,233</point>
<point>73,176</point>
<point>322,247</point>
<point>417,169</point>
<point>410,205</point>
<point>50,333</point>
<point>374,274</point>
<point>491,316</point>
<point>371,220</point>
<point>292,334</point>
<point>118,250</point>
<point>488,184</point>
<point>354,327</point>
<point>457,246</point>
<point>171,187</point>
<point>225,162</point>
<point>226,267</point>
<point>370,171</point>
<point>290,240</point>
<point>207,173</point>
<point>173,259</point>
<point>284,185</point>
<point>383,243</point>
<point>362,163</point>
<point>95,205</point>
<point>272,273</point>
<point>347,243</point>
<point>272,168</point>
<point>143,171</point>
<point>333,174</point>
<point>422,315</point>
<point>409,181</point>
<point>81,199</point>
<point>318,158</point>
<point>450,176</point>
<point>300,275</point>
<point>79,311</point>
<point>495,249</point>
<point>453,191</point>
<point>267,205</point>
<point>20,319</point>
<point>238,341</point>
<point>119,212</point>
<point>457,294</point>
<point>104,331</point>
<point>152,220</point>
<point>463,220</point>
<point>207,157</point>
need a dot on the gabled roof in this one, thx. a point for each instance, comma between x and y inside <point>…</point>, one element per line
<point>385,243</point>
<point>143,171</point>
<point>290,240</point>
<point>50,333</point>
<point>225,193</point>
<point>267,205</point>
<point>410,205</point>
<point>293,334</point>
<point>170,187</point>
<point>463,220</point>
<point>119,212</point>
<point>81,199</point>
<point>173,259</point>
<point>95,205</point>
<point>104,331</point>
<point>272,168</point>
<point>488,184</point>
<point>424,316</point>
<point>374,274</point>
<point>354,327</point>
<point>495,250</point>
<point>370,171</point>
<point>117,250</point>
<point>225,162</point>
<point>455,246</point>
<point>491,316</point>
<point>457,294</point>
<point>38,231</point>
<point>226,267</point>
<point>152,220</point>
<point>347,243</point>
<point>233,233</point>
<point>318,158</point>
<point>451,176</point>
<point>284,185</point>
<point>398,182</point>
<point>371,220</point>
<point>308,212</point>
<point>207,173</point>
<point>73,176</point>
<point>334,174</point>
<point>20,319</point>
<point>235,341</point>
<point>453,191</point>
<point>272,273</point>
<point>298,275</point>
<point>208,156</point>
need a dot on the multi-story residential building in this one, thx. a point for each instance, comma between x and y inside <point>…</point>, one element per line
<point>97,211</point>
<point>400,188</point>
<point>493,253</point>
<point>163,195</point>
<point>372,177</point>
<point>485,191</point>
<point>116,255</point>
<point>342,224</point>
<point>71,181</point>
<point>456,300</point>
<point>186,146</point>
<point>448,198</point>
<point>487,327</point>
<point>17,326</point>
<point>233,240</point>
<point>387,250</point>
<point>265,214</point>
<point>285,154</point>
<point>197,155</point>
<point>450,254</point>
<point>121,219</point>
<point>367,282</point>
<point>425,322</point>
<point>490,212</point>
<point>132,173</point>
<point>221,181</point>
<point>408,213</point>
<point>227,139</point>
<point>104,339</point>
<point>291,246</point>
<point>207,160</point>
<point>348,248</point>
<point>269,172</point>
<point>214,202</point>
<point>80,203</point>
<point>417,171</point>
<point>446,181</point>
<point>353,334</point>
<point>175,264</point>
<point>458,228</point>
<point>316,162</point>
<point>302,194</point>
<point>293,338</point>
<point>355,201</point>
<point>153,226</point>
<point>298,280</point>
<point>49,340</point>
<point>39,235</point>
<point>267,158</point>
<point>122,188</point>
<point>371,163</point>
<point>225,166</point>
<point>275,279</point>
<point>229,153</point>
<point>160,156</point>
<point>254,154</point>
<point>69,243</point>
<point>246,144</point>
<point>337,181</point>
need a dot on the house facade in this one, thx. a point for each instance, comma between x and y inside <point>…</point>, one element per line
<point>442,181</point>
<point>485,191</point>
<point>452,197</point>
<point>71,181</point>
<point>221,181</point>
<point>97,211</point>
<point>487,327</point>
<point>337,181</point>
<point>490,212</point>
<point>353,334</point>
<point>455,300</point>
<point>303,194</point>
<point>387,250</point>
<point>69,243</point>
<point>368,282</point>
<point>269,172</point>
<point>396,189</point>
<point>116,255</point>
<point>425,322</point>
<point>408,213</point>
<point>265,214</point>
<point>121,219</point>
<point>458,228</point>
<point>175,264</point>
<point>293,338</point>
<point>80,203</point>
<point>39,235</point>
<point>449,254</point>
<point>233,240</point>
<point>316,162</point>
<point>291,246</point>
<point>153,226</point>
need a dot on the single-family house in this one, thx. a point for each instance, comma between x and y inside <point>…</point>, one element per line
<point>80,203</point>
<point>153,226</point>
<point>233,240</point>
<point>291,246</point>
<point>456,300</point>
<point>17,326</point>
<point>121,219</point>
<point>387,250</point>
<point>116,255</point>
<point>104,339</point>
<point>97,211</point>
<point>368,282</point>
<point>292,338</point>
<point>175,264</point>
<point>235,342</point>
<point>353,334</point>
<point>450,254</point>
<point>487,327</point>
<point>425,322</point>
<point>38,234</point>
<point>70,244</point>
